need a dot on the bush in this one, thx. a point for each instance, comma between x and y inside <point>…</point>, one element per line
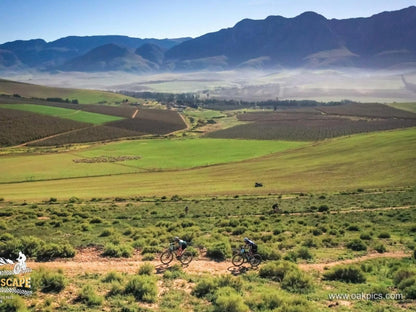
<point>380,248</point>
<point>112,276</point>
<point>146,269</point>
<point>230,302</point>
<point>384,235</point>
<point>403,274</point>
<point>347,274</point>
<point>304,253</point>
<point>48,282</point>
<point>365,236</point>
<point>323,208</point>
<point>89,297</point>
<point>297,282</point>
<point>173,272</point>
<point>356,245</point>
<point>219,251</point>
<point>268,253</point>
<point>51,251</point>
<point>117,251</point>
<point>142,287</point>
<point>277,270</point>
<point>16,304</point>
<point>31,245</point>
<point>204,287</point>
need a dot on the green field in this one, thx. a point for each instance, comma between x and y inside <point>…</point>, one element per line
<point>376,160</point>
<point>83,96</point>
<point>410,107</point>
<point>66,113</point>
<point>155,155</point>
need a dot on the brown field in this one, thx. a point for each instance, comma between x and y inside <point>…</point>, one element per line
<point>90,134</point>
<point>18,127</point>
<point>318,123</point>
<point>152,121</point>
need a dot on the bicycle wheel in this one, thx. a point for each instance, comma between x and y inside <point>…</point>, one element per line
<point>237,260</point>
<point>166,257</point>
<point>186,258</point>
<point>17,268</point>
<point>255,260</point>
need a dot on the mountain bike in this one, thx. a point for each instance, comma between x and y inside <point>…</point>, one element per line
<point>245,256</point>
<point>167,256</point>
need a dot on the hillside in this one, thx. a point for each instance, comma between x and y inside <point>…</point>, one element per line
<point>309,39</point>
<point>83,96</point>
<point>383,40</point>
<point>107,58</point>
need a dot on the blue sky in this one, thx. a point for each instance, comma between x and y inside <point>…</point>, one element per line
<point>53,19</point>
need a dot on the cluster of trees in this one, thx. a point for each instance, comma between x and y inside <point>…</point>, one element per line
<point>194,100</point>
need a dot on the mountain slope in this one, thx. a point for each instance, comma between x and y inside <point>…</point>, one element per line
<point>107,58</point>
<point>299,41</point>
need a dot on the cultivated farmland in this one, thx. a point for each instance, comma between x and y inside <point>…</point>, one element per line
<point>318,123</point>
<point>64,113</point>
<point>17,127</point>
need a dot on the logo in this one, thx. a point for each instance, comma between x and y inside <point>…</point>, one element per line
<point>14,281</point>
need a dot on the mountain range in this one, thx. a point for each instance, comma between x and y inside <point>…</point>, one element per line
<point>384,40</point>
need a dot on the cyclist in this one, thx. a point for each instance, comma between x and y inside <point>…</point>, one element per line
<point>181,246</point>
<point>251,245</point>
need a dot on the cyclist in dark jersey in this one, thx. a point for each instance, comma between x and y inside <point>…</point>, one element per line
<point>251,245</point>
<point>181,245</point>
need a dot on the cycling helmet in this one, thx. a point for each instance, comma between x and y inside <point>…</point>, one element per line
<point>246,239</point>
<point>176,238</point>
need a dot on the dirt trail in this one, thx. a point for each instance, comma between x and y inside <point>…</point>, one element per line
<point>89,260</point>
<point>134,114</point>
<point>322,266</point>
<point>52,136</point>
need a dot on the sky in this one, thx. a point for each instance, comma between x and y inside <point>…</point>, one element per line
<point>54,19</point>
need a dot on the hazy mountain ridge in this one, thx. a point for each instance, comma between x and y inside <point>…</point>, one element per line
<point>39,54</point>
<point>384,40</point>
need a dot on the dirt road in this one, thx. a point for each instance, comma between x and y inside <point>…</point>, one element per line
<point>89,260</point>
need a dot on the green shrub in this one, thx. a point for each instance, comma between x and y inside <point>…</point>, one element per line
<point>115,289</point>
<point>277,270</point>
<point>219,250</point>
<point>174,272</point>
<point>51,251</point>
<point>204,287</point>
<point>239,230</point>
<point>230,302</point>
<point>297,282</point>
<point>410,292</point>
<point>89,297</point>
<point>142,287</point>
<point>384,235</point>
<point>403,274</point>
<point>16,304</point>
<point>146,269</point>
<point>347,274</point>
<point>365,236</point>
<point>117,251</point>
<point>31,245</point>
<point>356,245</point>
<point>304,253</point>
<point>48,282</point>
<point>380,248</point>
<point>150,250</point>
<point>323,208</point>
<point>112,276</point>
<point>268,253</point>
<point>229,281</point>
<point>353,228</point>
<point>107,232</point>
